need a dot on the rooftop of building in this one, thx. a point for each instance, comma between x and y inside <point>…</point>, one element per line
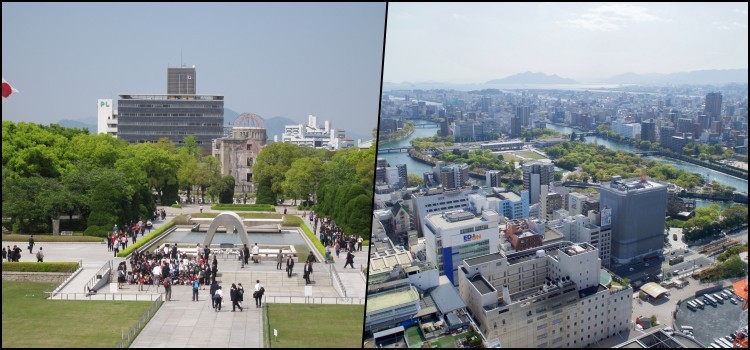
<point>164,97</point>
<point>518,257</point>
<point>454,219</point>
<point>380,301</point>
<point>511,196</point>
<point>385,261</point>
<point>632,184</point>
<point>481,284</point>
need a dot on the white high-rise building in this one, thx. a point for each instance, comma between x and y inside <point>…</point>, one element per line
<point>106,117</point>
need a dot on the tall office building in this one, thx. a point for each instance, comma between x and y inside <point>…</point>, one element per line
<point>635,210</point>
<point>524,113</point>
<point>175,115</point>
<point>515,126</point>
<point>181,81</point>
<point>550,297</point>
<point>536,174</point>
<point>713,108</point>
<point>665,136</point>
<point>648,131</point>
<point>403,175</point>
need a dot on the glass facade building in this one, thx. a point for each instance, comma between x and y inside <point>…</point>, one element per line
<point>147,118</point>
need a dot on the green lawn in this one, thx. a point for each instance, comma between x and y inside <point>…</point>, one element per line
<point>29,320</point>
<point>306,326</point>
<point>413,337</point>
<point>530,155</point>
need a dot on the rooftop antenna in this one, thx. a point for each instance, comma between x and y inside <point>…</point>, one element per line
<point>182,65</point>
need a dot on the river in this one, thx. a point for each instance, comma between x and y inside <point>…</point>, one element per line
<point>419,168</point>
<point>713,175</point>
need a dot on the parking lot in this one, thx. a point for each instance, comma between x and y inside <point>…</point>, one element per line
<point>711,322</point>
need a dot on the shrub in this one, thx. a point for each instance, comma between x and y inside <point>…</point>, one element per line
<point>244,207</point>
<point>40,266</point>
<point>96,231</point>
<point>144,240</point>
<point>178,206</point>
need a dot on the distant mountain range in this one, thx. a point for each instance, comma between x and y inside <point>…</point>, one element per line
<point>533,78</point>
<point>698,77</point>
<point>89,123</point>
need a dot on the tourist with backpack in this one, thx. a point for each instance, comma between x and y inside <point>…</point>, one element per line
<point>196,286</point>
<point>258,294</point>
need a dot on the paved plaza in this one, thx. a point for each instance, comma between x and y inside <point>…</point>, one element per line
<point>185,323</point>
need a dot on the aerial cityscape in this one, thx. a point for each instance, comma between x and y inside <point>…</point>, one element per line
<point>375,175</point>
<point>539,210</point>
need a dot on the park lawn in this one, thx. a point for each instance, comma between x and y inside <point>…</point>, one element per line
<point>413,337</point>
<point>29,320</point>
<point>510,157</point>
<point>305,326</point>
<point>530,155</point>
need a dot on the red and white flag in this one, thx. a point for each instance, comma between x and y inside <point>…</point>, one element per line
<point>7,90</point>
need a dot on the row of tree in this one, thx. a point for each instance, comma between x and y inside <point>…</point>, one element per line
<point>338,184</point>
<point>49,171</point>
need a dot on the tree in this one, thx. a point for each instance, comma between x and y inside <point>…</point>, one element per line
<point>303,178</point>
<point>226,189</point>
<point>573,136</point>
<point>270,170</point>
<point>414,180</point>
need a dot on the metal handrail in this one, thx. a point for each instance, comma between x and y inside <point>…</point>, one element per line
<point>126,339</point>
<point>93,280</point>
<point>335,275</point>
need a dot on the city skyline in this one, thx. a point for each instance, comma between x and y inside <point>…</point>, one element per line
<point>272,60</point>
<point>456,43</point>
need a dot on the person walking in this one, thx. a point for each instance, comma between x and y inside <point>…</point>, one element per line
<point>289,265</point>
<point>349,259</point>
<point>31,244</point>
<point>328,253</point>
<point>157,275</point>
<point>338,248</point>
<point>310,257</point>
<point>218,297</point>
<point>201,208</point>
<point>256,253</point>
<point>196,287</point>
<point>246,250</point>
<point>308,270</point>
<point>167,289</point>
<point>242,258</point>
<point>214,288</point>
<point>359,243</point>
<point>258,294</point>
<point>240,295</point>
<point>234,297</point>
<point>279,260</point>
<point>39,255</point>
<point>5,254</point>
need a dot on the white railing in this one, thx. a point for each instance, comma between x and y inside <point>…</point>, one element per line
<point>92,282</point>
<point>103,296</point>
<point>335,276</point>
<point>128,337</point>
<point>280,299</point>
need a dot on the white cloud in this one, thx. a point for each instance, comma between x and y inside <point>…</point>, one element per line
<point>610,17</point>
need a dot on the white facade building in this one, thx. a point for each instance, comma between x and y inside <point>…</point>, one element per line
<point>313,135</point>
<point>453,236</point>
<point>106,120</point>
<point>548,298</point>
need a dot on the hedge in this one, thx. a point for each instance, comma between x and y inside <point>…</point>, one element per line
<point>48,238</point>
<point>178,206</point>
<point>296,221</point>
<point>244,207</point>
<point>40,266</point>
<point>145,239</point>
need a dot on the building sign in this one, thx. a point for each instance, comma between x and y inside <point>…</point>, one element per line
<point>104,103</point>
<point>606,217</point>
<point>472,237</point>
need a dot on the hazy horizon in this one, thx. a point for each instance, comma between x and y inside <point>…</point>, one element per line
<point>286,60</point>
<point>587,42</point>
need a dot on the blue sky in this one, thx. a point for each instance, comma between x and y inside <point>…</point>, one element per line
<point>286,60</point>
<point>474,43</point>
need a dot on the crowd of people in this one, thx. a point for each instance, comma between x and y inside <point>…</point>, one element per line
<point>334,240</point>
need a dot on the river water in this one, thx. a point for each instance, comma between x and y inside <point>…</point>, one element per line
<point>419,168</point>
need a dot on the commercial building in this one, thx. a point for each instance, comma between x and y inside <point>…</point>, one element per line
<point>453,236</point>
<point>514,206</point>
<point>106,117</point>
<point>391,307</point>
<point>436,201</point>
<point>536,174</point>
<point>453,176</point>
<point>239,153</point>
<point>638,208</point>
<point>312,135</point>
<point>552,297</point>
<point>712,108</point>
<point>625,129</point>
<point>648,130</point>
<point>492,178</point>
<point>580,228</point>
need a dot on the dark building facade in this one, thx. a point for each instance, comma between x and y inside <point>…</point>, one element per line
<point>147,118</point>
<point>181,81</point>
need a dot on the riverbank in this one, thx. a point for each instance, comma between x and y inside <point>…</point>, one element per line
<point>399,135</point>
